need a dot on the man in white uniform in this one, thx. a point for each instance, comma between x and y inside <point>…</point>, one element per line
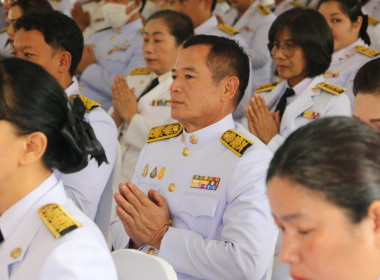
<point>116,50</point>
<point>54,41</point>
<point>200,12</point>
<point>200,201</point>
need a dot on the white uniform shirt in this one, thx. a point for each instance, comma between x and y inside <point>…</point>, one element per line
<point>30,251</point>
<point>254,28</point>
<point>210,27</point>
<point>153,110</point>
<point>97,22</point>
<point>373,31</point>
<point>227,233</point>
<point>63,5</point>
<point>118,51</point>
<point>285,6</point>
<point>372,8</point>
<point>5,46</point>
<point>85,187</point>
<point>311,99</point>
<point>344,65</point>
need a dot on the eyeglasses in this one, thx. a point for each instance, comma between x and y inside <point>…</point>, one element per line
<point>287,49</point>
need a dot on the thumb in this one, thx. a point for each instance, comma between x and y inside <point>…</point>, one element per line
<point>158,199</point>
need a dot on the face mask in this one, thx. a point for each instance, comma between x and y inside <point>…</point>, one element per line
<point>115,14</point>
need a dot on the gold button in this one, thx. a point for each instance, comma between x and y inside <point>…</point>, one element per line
<point>112,38</point>
<point>118,31</point>
<point>185,152</point>
<point>193,139</point>
<point>125,144</point>
<point>170,221</point>
<point>171,187</point>
<point>100,54</point>
<point>151,251</point>
<point>314,89</point>
<point>15,253</point>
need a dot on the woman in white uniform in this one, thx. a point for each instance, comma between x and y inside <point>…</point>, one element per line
<point>301,45</point>
<point>349,28</point>
<point>324,191</point>
<point>43,235</point>
<point>164,33</point>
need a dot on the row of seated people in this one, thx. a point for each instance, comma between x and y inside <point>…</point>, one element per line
<point>327,99</point>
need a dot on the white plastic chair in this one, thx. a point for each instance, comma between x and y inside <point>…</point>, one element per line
<point>133,264</point>
<point>106,207</point>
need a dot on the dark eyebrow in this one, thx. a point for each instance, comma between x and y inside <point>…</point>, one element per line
<point>374,120</point>
<point>288,217</point>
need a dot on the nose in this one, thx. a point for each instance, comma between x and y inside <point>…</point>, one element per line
<point>147,46</point>
<point>175,86</point>
<point>289,251</point>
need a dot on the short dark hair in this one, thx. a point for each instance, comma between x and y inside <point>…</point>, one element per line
<point>353,9</point>
<point>32,100</point>
<point>142,5</point>
<point>180,25</point>
<point>59,31</point>
<point>226,58</point>
<point>367,79</point>
<point>310,31</point>
<point>33,5</point>
<point>337,158</point>
<point>213,4</point>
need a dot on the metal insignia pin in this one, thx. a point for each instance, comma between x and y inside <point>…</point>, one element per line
<point>145,171</point>
<point>161,173</point>
<point>153,173</point>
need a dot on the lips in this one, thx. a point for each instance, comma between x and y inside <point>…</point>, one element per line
<point>298,278</point>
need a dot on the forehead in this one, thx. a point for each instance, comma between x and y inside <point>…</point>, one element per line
<point>156,25</point>
<point>330,7</point>
<point>30,38</point>
<point>193,56</point>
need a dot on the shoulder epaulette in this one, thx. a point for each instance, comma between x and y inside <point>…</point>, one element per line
<point>235,142</point>
<point>3,30</point>
<point>266,87</point>
<point>296,3</point>
<point>331,88</point>
<point>366,51</point>
<point>164,132</point>
<point>263,9</point>
<point>140,71</point>
<point>57,220</point>
<point>228,29</point>
<point>373,21</point>
<point>87,102</point>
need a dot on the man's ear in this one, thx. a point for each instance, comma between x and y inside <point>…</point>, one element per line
<point>64,62</point>
<point>374,215</point>
<point>34,148</point>
<point>231,85</point>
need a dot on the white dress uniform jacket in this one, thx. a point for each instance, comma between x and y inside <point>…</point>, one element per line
<point>85,187</point>
<point>5,46</point>
<point>63,5</point>
<point>372,8</point>
<point>254,26</point>
<point>153,110</point>
<point>118,51</point>
<point>30,251</point>
<point>309,104</point>
<point>226,233</point>
<point>373,31</point>
<point>286,5</point>
<point>210,27</point>
<point>344,65</point>
<point>97,22</point>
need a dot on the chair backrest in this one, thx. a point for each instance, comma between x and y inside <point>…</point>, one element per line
<point>106,207</point>
<point>133,264</point>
